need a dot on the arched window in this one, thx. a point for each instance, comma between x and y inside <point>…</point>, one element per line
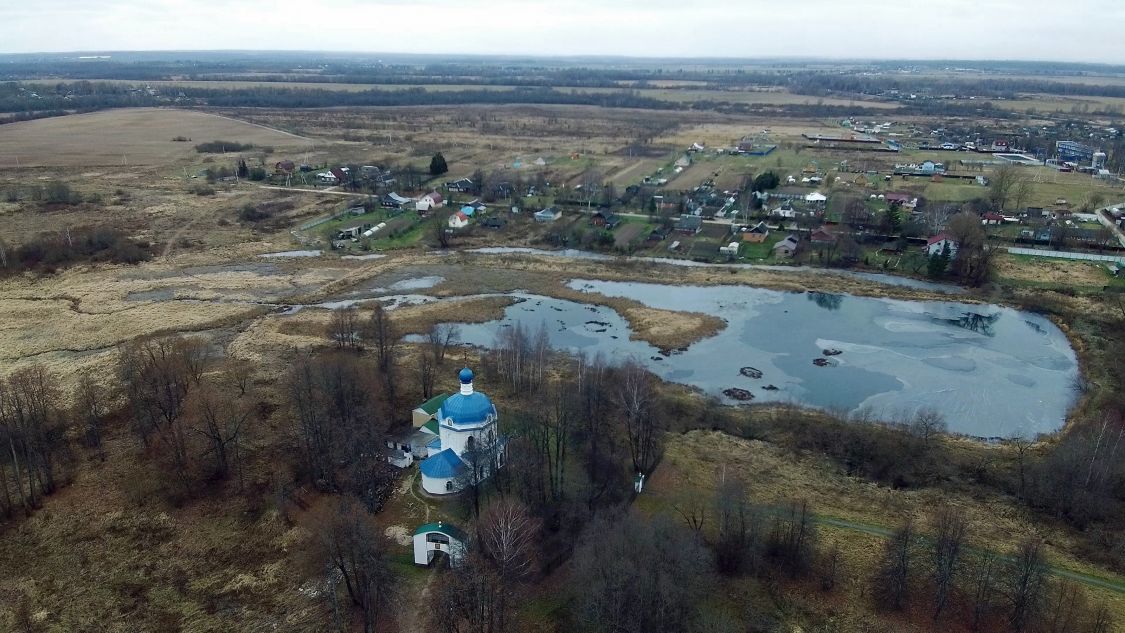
<point>470,443</point>
<point>491,437</point>
<point>449,486</point>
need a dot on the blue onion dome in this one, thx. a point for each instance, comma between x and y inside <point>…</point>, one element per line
<point>468,407</point>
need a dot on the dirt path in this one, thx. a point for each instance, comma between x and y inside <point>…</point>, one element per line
<point>328,192</point>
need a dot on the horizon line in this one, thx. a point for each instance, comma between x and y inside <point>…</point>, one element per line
<point>584,56</point>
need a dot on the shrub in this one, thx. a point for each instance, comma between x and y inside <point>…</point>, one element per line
<point>58,192</point>
<point>222,147</point>
<point>251,213</point>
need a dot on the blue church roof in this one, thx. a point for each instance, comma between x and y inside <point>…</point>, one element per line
<point>444,465</point>
<point>466,409</point>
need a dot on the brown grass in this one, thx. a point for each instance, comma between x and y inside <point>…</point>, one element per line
<point>131,136</point>
<point>1051,271</point>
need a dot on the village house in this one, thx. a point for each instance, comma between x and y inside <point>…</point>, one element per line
<point>463,185</point>
<point>991,218</point>
<point>906,200</point>
<point>816,198</point>
<point>755,234</point>
<point>689,224</point>
<point>605,219</point>
<point>432,200</point>
<point>327,178</point>
<point>786,248</point>
<point>393,201</point>
<point>730,250</point>
<point>786,211</point>
<point>458,220</point>
<point>822,237</point>
<point>936,244</point>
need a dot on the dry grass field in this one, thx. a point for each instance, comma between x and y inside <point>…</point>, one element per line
<point>1065,104</point>
<point>137,136</point>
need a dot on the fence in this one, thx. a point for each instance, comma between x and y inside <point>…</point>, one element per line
<point>1034,252</point>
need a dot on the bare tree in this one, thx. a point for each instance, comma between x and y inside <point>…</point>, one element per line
<point>791,542</point>
<point>351,546</point>
<point>440,337</point>
<point>1026,584</point>
<point>424,370</point>
<point>891,581</point>
<point>926,424</point>
<point>91,408</point>
<point>33,427</point>
<point>549,436</point>
<point>1065,608</point>
<point>219,420</point>
<point>509,538</point>
<point>634,398</point>
<point>443,235</point>
<point>692,507</point>
<point>950,529</point>
<point>380,333</point>
<point>633,575</point>
<point>1000,185</point>
<point>1022,191</point>
<point>984,581</point>
<point>344,328</point>
<point>737,526</point>
<point>241,373</point>
<point>157,375</point>
<point>340,423</point>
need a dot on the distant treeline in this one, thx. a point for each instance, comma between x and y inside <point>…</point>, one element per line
<point>535,85</point>
<point>87,96</point>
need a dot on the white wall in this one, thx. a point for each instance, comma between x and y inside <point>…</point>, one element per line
<point>436,486</point>
<point>451,438</point>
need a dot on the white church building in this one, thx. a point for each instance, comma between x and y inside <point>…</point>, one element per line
<point>468,447</point>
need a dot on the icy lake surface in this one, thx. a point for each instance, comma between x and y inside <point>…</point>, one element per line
<point>991,371</point>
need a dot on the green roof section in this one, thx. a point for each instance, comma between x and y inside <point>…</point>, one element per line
<point>432,427</point>
<point>432,405</point>
<point>447,529</point>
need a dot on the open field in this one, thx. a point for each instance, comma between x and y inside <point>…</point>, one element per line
<point>1045,103</point>
<point>141,136</point>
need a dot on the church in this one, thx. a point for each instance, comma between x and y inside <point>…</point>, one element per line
<point>467,449</point>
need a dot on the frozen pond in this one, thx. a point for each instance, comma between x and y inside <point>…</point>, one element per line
<point>991,371</point>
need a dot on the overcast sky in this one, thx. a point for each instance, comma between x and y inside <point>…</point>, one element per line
<point>1069,30</point>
